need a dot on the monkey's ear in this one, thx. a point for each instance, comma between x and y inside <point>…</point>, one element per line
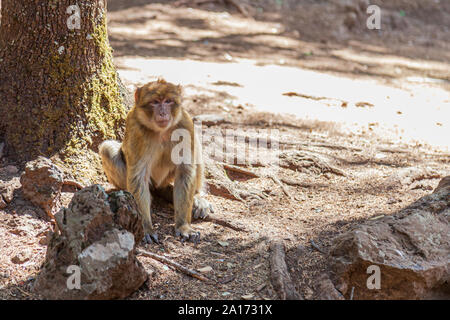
<point>179,89</point>
<point>137,94</point>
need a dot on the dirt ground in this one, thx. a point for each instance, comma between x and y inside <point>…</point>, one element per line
<point>366,113</point>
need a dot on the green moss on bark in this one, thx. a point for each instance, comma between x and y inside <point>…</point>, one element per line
<point>65,97</point>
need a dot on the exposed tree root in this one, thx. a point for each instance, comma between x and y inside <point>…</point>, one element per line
<point>315,246</point>
<point>283,187</point>
<point>240,170</point>
<point>221,185</point>
<point>306,162</point>
<point>280,277</point>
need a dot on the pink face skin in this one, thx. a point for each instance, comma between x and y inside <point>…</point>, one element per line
<point>162,112</point>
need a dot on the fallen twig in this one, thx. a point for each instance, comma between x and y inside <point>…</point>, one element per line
<point>173,264</point>
<point>315,246</point>
<point>73,183</point>
<point>240,170</point>
<point>296,183</point>
<point>222,223</point>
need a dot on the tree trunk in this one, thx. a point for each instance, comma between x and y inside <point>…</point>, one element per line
<point>59,90</point>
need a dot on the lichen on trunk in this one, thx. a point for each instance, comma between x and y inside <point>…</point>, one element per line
<point>60,92</point>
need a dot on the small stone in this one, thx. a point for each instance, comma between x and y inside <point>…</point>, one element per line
<point>10,169</point>
<point>248,297</point>
<point>3,204</point>
<point>351,20</point>
<point>7,188</point>
<point>223,243</point>
<point>205,269</point>
<point>308,293</point>
<point>21,257</point>
<point>42,183</point>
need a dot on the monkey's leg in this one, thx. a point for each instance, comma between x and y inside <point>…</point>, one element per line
<point>113,163</point>
<point>139,188</point>
<point>183,198</point>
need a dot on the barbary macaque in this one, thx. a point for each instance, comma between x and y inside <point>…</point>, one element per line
<point>145,165</point>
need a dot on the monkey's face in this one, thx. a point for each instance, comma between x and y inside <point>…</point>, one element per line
<point>158,104</point>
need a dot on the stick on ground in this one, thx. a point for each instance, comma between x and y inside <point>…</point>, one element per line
<point>223,223</point>
<point>315,246</point>
<point>173,264</point>
<point>280,277</point>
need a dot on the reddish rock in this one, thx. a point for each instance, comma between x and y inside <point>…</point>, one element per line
<point>325,290</point>
<point>99,233</point>
<point>42,182</point>
<point>3,204</point>
<point>411,248</point>
<point>8,187</point>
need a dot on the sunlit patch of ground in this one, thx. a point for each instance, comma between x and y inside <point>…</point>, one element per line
<point>408,111</point>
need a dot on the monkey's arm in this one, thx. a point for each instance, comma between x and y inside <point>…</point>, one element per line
<point>183,198</point>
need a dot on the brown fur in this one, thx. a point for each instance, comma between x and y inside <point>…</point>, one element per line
<point>147,151</point>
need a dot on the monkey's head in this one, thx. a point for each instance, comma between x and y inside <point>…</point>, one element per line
<point>158,104</point>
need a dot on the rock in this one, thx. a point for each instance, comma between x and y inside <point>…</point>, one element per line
<point>206,269</point>
<point>7,188</point>
<point>42,182</point>
<point>99,233</point>
<point>411,248</point>
<point>2,147</point>
<point>10,170</point>
<point>351,19</point>
<point>210,119</point>
<point>325,290</point>
<point>3,204</point>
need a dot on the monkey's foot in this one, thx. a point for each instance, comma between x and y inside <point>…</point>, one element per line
<point>187,234</point>
<point>201,208</point>
<point>151,238</point>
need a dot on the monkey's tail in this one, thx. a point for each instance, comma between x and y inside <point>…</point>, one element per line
<point>113,162</point>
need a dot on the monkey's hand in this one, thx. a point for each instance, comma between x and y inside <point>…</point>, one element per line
<point>201,208</point>
<point>186,232</point>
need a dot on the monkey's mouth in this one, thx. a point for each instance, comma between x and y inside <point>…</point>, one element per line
<point>162,123</point>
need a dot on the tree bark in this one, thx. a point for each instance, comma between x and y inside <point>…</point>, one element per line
<point>59,89</point>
